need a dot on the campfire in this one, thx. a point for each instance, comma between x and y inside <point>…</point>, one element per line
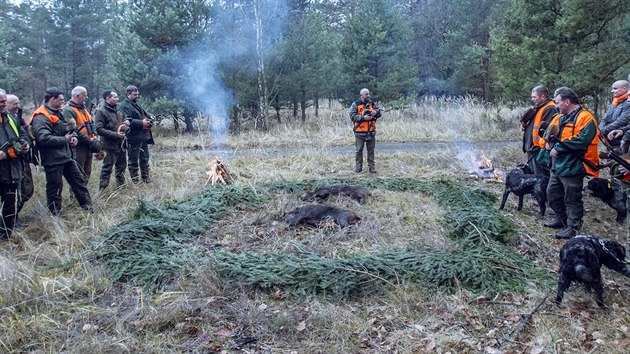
<point>218,173</point>
<point>483,169</point>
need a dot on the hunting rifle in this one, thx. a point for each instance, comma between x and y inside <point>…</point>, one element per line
<point>550,136</point>
<point>612,155</point>
<point>20,111</point>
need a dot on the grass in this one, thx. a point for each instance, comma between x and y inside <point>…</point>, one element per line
<point>56,296</point>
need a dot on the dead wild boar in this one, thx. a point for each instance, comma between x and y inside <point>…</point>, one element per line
<point>357,193</point>
<point>317,215</point>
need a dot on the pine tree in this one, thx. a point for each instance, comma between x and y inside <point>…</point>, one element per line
<point>376,51</point>
<point>575,43</point>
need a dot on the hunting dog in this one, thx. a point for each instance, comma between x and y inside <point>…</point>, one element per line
<point>317,215</point>
<point>521,181</point>
<point>357,193</point>
<point>581,259</point>
<point>609,192</point>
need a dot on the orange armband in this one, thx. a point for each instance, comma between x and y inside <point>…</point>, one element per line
<point>11,153</point>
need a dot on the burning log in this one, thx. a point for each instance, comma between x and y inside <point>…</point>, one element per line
<point>483,169</point>
<point>218,173</point>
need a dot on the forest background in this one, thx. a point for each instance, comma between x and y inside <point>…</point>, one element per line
<point>242,62</point>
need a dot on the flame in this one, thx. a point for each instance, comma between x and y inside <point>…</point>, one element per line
<point>218,172</point>
<point>481,160</point>
<point>483,166</point>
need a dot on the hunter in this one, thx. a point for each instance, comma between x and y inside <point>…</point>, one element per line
<point>573,152</point>
<point>55,142</point>
<point>86,134</point>
<point>364,114</point>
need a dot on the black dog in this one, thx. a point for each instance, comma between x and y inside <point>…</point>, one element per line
<point>581,259</point>
<point>357,193</point>
<point>317,215</point>
<point>521,181</point>
<point>609,192</point>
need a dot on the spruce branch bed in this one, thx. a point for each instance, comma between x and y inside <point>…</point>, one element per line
<point>155,246</point>
<point>480,262</point>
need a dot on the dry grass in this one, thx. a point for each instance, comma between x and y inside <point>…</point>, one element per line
<point>55,298</point>
<point>431,119</point>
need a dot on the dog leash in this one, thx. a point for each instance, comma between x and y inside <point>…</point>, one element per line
<point>531,158</point>
<point>600,242</point>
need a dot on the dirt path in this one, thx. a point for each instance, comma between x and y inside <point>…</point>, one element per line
<point>381,148</point>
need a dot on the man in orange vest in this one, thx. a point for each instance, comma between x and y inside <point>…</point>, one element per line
<point>575,142</point>
<point>543,111</point>
<point>55,143</point>
<point>86,133</point>
<point>364,114</point>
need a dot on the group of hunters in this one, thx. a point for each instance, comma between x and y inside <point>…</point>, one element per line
<point>561,141</point>
<point>566,154</point>
<point>63,138</point>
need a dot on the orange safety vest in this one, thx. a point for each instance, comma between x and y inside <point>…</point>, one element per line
<point>366,125</point>
<point>42,110</point>
<point>537,140</point>
<point>83,119</point>
<point>571,130</point>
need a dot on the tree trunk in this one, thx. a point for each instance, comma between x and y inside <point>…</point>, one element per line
<point>236,118</point>
<point>261,117</point>
<point>303,105</point>
<point>189,119</point>
<point>176,122</point>
<point>485,77</point>
<point>596,106</point>
<point>316,105</point>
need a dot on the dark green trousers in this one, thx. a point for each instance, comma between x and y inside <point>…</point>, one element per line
<point>117,159</point>
<point>54,185</point>
<point>565,198</point>
<point>138,159</point>
<point>359,144</point>
<point>84,160</point>
<point>534,165</point>
<point>27,187</point>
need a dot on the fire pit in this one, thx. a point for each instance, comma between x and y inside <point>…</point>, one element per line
<point>483,169</point>
<point>218,173</point>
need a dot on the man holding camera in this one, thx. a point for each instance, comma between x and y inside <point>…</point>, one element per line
<point>364,114</point>
<point>139,135</point>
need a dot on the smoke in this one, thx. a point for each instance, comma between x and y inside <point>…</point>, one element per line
<point>228,46</point>
<point>465,154</point>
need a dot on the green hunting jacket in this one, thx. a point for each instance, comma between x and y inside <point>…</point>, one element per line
<point>567,163</point>
<point>134,114</point>
<point>51,138</point>
<point>106,121</point>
